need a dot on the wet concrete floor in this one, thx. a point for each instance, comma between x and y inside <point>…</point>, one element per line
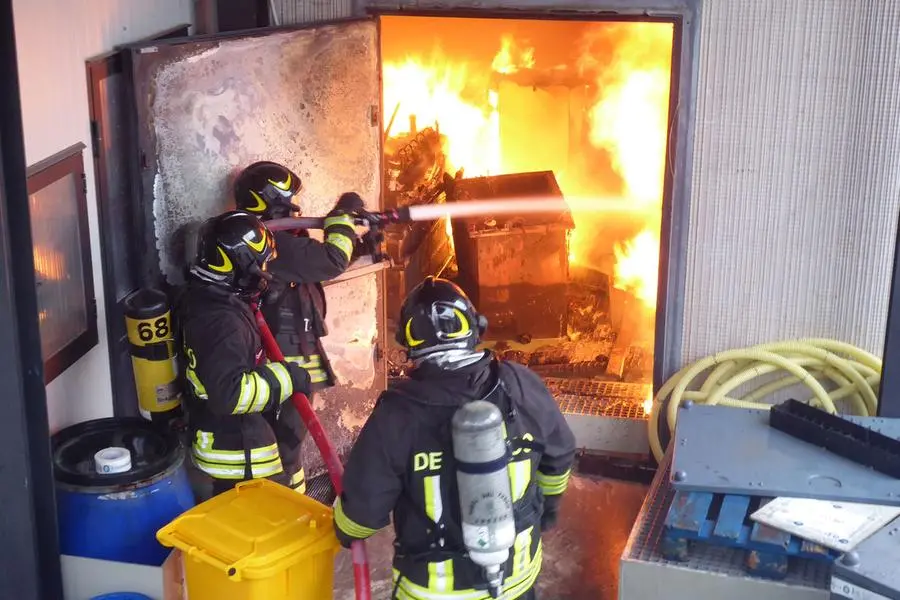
<point>581,556</point>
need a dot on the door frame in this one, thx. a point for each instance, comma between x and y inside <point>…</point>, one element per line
<point>676,209</point>
<point>30,552</point>
<point>96,70</point>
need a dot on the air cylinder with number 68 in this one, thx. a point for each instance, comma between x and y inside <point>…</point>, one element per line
<point>148,321</point>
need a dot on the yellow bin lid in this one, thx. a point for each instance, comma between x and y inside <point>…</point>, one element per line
<point>254,531</point>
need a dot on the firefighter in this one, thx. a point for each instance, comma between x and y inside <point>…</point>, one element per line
<point>294,305</point>
<point>241,425</point>
<point>403,462</point>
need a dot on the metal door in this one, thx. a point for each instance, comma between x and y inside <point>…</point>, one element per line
<point>308,98</point>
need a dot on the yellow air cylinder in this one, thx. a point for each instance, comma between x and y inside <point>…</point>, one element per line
<point>148,321</point>
<point>259,541</point>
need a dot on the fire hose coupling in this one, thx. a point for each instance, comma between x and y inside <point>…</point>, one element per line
<point>380,219</point>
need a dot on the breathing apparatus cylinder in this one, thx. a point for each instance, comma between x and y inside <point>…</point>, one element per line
<point>148,322</point>
<point>485,497</point>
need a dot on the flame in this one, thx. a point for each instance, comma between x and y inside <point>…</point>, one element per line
<point>627,118</point>
<point>448,229</point>
<point>433,92</point>
<point>637,266</point>
<point>630,121</point>
<point>647,405</point>
<point>503,62</point>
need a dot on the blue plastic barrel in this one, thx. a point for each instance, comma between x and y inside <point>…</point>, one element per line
<point>122,596</point>
<point>116,516</point>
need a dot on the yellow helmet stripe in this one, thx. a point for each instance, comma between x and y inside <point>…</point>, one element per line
<point>413,342</point>
<point>226,266</point>
<point>260,203</point>
<point>464,328</point>
<point>257,246</point>
<point>282,185</point>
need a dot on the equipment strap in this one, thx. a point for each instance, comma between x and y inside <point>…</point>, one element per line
<point>155,351</point>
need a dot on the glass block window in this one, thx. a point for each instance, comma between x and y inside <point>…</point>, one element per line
<point>62,260</point>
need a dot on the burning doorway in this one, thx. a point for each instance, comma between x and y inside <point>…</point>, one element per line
<point>496,108</point>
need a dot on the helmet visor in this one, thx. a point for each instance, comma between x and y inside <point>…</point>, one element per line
<point>278,197</point>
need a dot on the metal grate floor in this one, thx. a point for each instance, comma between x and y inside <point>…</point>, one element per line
<point>319,488</point>
<point>571,369</point>
<point>589,397</point>
<point>645,538</point>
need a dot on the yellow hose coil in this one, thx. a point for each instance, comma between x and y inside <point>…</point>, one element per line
<point>854,375</point>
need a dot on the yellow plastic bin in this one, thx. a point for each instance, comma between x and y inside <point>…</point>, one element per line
<point>259,541</point>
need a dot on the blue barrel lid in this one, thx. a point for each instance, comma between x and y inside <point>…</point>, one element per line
<point>122,596</point>
<point>154,449</point>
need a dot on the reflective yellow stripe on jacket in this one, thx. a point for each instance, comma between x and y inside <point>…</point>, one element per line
<point>254,390</point>
<point>348,525</point>
<point>519,477</point>
<point>312,365</point>
<point>232,464</point>
<point>298,481</point>
<point>513,586</point>
<point>553,485</point>
<point>340,241</point>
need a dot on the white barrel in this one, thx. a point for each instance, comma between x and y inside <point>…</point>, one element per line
<point>110,461</point>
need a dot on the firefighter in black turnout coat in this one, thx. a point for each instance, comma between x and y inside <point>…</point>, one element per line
<point>242,426</point>
<point>403,463</point>
<point>294,304</point>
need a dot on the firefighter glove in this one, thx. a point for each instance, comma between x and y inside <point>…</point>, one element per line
<point>300,379</point>
<point>349,203</point>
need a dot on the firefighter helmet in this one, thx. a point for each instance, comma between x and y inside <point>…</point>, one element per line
<point>266,189</point>
<point>233,250</point>
<point>437,316</point>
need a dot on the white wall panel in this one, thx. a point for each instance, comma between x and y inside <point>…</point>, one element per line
<point>796,181</point>
<point>53,40</point>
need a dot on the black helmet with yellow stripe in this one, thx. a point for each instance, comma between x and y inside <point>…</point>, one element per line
<point>266,189</point>
<point>437,316</point>
<point>233,250</point>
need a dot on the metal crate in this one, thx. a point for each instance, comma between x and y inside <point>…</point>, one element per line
<point>515,268</point>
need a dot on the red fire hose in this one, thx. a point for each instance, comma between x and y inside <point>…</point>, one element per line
<point>332,462</point>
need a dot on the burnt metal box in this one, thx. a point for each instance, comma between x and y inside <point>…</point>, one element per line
<point>515,267</point>
<point>417,250</point>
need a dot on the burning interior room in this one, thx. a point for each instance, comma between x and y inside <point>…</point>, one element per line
<point>504,109</point>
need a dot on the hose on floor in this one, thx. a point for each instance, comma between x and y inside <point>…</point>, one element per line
<point>362,581</point>
<point>853,376</point>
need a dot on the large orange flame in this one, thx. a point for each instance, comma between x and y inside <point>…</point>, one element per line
<point>630,121</point>
<point>439,92</point>
<point>627,116</point>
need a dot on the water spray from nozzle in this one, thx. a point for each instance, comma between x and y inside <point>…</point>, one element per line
<point>476,208</point>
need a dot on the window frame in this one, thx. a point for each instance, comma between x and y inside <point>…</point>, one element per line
<point>70,162</point>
